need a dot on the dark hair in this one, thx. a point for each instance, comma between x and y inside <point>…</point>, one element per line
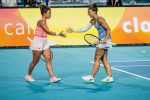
<point>93,7</point>
<point>44,9</point>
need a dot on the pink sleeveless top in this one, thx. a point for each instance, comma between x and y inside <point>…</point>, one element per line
<point>39,31</point>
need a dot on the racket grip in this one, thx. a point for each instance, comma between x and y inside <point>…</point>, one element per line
<point>100,41</point>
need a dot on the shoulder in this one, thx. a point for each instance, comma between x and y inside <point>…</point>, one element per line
<point>100,19</point>
<point>41,22</point>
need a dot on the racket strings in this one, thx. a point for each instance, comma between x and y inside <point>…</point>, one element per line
<point>91,39</point>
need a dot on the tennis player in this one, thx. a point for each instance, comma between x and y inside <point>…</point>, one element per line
<point>101,48</point>
<point>40,46</point>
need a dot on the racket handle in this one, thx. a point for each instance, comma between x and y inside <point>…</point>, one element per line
<point>100,41</point>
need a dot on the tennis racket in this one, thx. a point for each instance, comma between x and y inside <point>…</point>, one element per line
<point>93,40</point>
<point>42,57</point>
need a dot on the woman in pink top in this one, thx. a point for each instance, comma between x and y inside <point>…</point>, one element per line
<point>40,46</point>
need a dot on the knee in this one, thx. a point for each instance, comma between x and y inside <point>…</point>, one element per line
<point>104,60</point>
<point>48,59</point>
<point>97,59</point>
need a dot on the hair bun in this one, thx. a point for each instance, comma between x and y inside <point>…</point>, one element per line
<point>44,9</point>
<point>94,5</point>
<point>42,6</point>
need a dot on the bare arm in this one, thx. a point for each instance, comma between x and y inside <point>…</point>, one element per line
<point>46,29</point>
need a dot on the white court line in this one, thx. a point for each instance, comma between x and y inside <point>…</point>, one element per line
<point>126,61</point>
<point>130,61</point>
<point>128,72</point>
<point>131,73</point>
<point>131,65</point>
<point>127,66</point>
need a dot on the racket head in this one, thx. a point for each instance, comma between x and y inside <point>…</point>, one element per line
<point>92,39</point>
<point>43,59</point>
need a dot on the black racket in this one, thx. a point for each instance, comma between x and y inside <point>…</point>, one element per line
<point>93,40</point>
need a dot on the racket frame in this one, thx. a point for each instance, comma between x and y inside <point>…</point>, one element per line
<point>93,36</point>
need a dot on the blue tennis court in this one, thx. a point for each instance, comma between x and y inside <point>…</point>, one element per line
<point>130,67</point>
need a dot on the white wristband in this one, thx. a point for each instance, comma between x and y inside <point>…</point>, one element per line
<point>57,33</point>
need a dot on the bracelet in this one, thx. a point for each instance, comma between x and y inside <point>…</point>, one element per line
<point>57,33</point>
